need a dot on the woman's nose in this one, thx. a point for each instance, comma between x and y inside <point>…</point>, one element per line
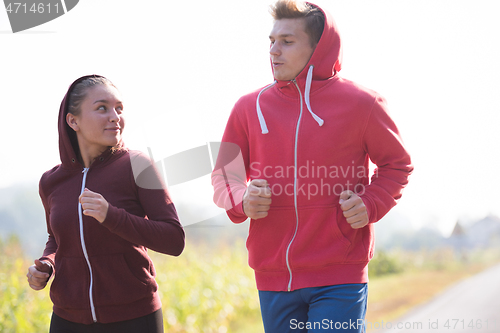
<point>115,116</point>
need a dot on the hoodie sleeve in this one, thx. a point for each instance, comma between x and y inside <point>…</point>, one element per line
<point>382,142</point>
<point>161,230</point>
<point>230,177</point>
<point>49,253</point>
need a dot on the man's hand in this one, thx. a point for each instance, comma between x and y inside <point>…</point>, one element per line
<point>354,209</point>
<point>94,204</point>
<point>257,199</point>
<point>38,274</point>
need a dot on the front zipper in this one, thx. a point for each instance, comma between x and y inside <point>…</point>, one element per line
<point>84,248</point>
<point>294,190</point>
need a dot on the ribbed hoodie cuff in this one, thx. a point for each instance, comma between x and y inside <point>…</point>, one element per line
<point>51,264</point>
<point>372,216</point>
<point>112,218</point>
<point>236,214</point>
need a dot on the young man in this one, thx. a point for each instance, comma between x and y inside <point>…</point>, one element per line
<point>304,143</point>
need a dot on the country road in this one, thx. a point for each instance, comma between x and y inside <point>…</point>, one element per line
<point>470,306</point>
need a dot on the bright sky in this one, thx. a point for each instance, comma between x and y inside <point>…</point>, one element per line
<point>181,67</point>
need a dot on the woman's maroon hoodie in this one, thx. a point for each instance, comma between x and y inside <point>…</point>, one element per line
<point>102,270</point>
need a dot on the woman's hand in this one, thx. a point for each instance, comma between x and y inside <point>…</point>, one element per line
<point>94,204</point>
<point>39,274</point>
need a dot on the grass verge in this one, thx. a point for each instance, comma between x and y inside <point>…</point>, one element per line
<point>391,296</point>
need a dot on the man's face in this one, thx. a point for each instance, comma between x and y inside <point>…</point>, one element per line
<point>290,48</point>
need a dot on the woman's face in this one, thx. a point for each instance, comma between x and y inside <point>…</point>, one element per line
<point>100,122</point>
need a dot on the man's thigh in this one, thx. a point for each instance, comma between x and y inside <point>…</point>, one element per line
<point>283,311</point>
<point>340,308</point>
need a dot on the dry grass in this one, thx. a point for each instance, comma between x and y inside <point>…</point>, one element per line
<point>214,291</point>
<point>392,296</point>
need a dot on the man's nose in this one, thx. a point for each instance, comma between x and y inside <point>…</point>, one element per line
<point>274,50</point>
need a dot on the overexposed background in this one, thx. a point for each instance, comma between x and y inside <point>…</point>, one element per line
<point>181,66</point>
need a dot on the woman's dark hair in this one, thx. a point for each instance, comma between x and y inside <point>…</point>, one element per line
<point>79,92</point>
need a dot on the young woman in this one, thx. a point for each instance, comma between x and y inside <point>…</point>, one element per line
<point>105,205</point>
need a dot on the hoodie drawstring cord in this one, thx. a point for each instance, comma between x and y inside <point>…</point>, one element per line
<point>262,121</point>
<point>307,93</point>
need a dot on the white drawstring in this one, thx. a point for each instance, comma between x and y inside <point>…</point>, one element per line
<point>262,121</point>
<point>307,93</point>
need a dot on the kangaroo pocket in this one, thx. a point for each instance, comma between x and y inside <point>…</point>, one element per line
<point>116,282</point>
<point>319,240</point>
<point>70,288</point>
<point>268,239</point>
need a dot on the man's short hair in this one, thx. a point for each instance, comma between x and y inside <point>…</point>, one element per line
<point>314,18</point>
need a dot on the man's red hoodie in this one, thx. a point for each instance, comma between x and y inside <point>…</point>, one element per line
<point>102,270</point>
<point>311,138</point>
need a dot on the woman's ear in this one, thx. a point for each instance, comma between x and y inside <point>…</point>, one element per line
<point>72,122</point>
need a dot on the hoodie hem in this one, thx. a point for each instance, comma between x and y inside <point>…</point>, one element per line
<point>315,277</point>
<point>112,313</point>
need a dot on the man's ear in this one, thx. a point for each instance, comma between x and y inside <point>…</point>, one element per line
<point>72,121</point>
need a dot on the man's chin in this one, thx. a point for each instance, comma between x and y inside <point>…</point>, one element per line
<point>283,78</point>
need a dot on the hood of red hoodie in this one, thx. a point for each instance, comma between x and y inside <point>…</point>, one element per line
<point>68,144</point>
<point>327,56</point>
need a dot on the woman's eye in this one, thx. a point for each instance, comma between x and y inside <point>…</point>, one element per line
<point>102,107</point>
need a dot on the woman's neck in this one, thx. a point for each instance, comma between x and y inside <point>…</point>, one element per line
<point>89,154</point>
